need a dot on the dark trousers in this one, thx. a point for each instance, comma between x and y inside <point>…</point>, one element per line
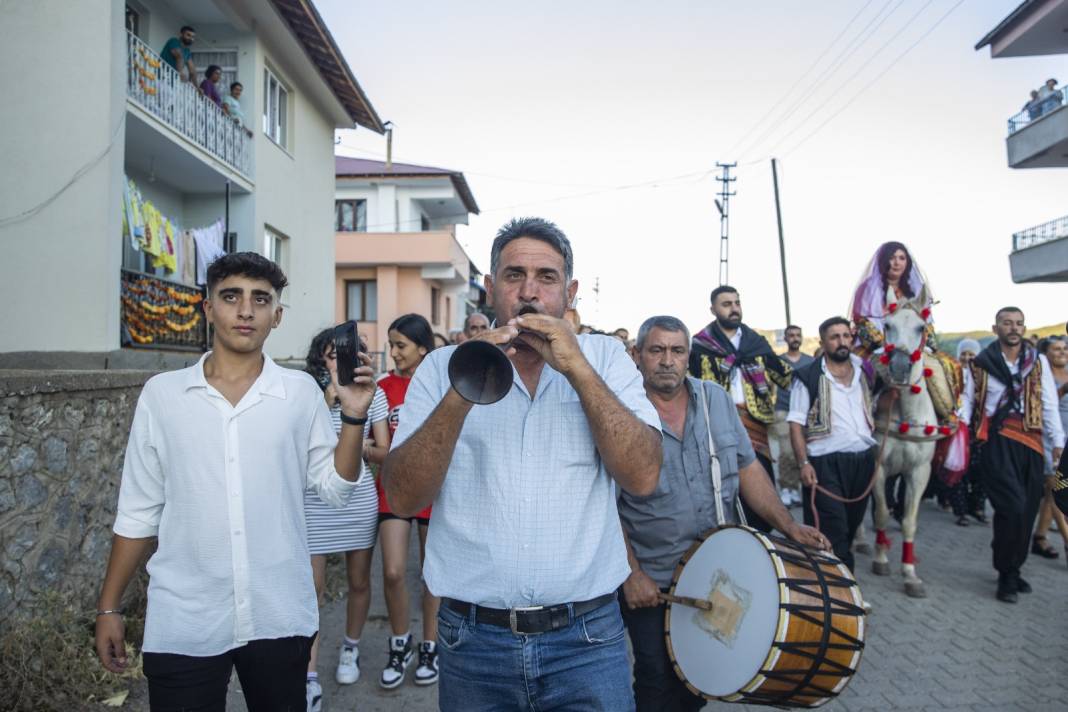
<point>847,475</point>
<point>752,518</point>
<point>272,674</point>
<point>656,686</point>
<point>1012,478</point>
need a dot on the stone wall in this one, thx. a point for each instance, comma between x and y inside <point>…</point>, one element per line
<point>62,439</point>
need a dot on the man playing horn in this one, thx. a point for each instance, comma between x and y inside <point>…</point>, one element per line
<point>1010,401</point>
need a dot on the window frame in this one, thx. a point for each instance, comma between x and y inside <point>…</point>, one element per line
<point>362,317</point>
<point>276,104</point>
<point>356,204</point>
<point>435,306</point>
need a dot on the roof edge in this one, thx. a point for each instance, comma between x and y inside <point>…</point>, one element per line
<point>1006,24</point>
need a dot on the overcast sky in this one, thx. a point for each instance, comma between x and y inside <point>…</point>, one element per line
<point>540,102</point>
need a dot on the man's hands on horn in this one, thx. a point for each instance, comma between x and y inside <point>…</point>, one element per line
<point>553,339</point>
<point>502,336</point>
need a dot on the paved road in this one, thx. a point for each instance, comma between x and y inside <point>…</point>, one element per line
<point>958,649</point>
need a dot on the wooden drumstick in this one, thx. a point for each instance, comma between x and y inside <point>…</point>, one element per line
<point>701,603</point>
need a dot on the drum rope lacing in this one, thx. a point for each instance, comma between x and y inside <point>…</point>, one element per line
<point>829,608</point>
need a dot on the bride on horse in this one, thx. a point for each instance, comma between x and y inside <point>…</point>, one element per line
<point>891,312</point>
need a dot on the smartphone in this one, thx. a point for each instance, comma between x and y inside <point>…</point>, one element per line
<point>346,346</point>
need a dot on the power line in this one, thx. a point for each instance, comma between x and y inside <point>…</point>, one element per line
<point>879,76</point>
<point>802,78</point>
<point>857,73</point>
<point>840,61</point>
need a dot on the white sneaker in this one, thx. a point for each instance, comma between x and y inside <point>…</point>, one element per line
<point>348,666</point>
<point>400,657</point>
<point>313,694</point>
<point>427,672</point>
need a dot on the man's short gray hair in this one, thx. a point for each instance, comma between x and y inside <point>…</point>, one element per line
<point>535,229</point>
<point>667,323</point>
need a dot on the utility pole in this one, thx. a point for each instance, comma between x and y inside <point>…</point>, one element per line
<point>723,205</point>
<point>782,244</point>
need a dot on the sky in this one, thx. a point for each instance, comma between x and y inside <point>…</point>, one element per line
<point>608,117</point>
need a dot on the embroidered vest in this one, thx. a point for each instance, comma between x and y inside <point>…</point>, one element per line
<point>820,392</point>
<point>1032,401</point>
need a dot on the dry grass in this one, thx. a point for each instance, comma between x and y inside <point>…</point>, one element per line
<point>48,662</point>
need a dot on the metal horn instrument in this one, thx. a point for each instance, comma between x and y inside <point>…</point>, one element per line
<point>480,372</point>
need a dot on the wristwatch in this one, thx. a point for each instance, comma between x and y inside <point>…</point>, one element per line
<point>353,421</point>
<point>802,464</point>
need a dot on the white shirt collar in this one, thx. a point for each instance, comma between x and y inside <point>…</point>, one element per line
<point>268,383</point>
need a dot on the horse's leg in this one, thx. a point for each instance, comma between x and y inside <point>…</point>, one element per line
<point>880,564</point>
<point>917,483</point>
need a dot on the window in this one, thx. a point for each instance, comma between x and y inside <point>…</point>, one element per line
<point>275,108</point>
<point>225,59</point>
<point>361,300</point>
<point>274,247</point>
<point>448,313</point>
<point>133,21</point>
<point>435,306</point>
<point>350,216</point>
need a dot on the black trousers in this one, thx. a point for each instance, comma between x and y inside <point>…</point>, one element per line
<point>1012,478</point>
<point>656,686</point>
<point>272,674</point>
<point>846,474</point>
<point>752,518</point>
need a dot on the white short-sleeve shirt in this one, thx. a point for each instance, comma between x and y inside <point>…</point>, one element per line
<point>527,513</point>
<point>222,487</point>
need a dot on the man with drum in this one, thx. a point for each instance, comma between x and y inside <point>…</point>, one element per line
<point>661,527</point>
<point>524,544</point>
<point>831,431</point>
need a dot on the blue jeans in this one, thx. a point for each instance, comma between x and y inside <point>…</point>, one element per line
<point>583,666</point>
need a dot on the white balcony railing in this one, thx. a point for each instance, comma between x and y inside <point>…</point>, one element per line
<point>1036,109</point>
<point>1040,234</point>
<point>160,90</point>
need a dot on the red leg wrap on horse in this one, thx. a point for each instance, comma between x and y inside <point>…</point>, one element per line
<point>907,555</point>
<point>881,539</point>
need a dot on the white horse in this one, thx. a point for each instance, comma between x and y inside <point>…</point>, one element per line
<point>911,433</point>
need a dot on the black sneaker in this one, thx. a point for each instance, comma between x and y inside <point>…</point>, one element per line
<point>400,656</point>
<point>1022,586</point>
<point>427,671</point>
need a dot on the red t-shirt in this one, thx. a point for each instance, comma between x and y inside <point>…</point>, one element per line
<point>395,387</point>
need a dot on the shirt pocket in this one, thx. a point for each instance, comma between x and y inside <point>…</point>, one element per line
<point>571,438</point>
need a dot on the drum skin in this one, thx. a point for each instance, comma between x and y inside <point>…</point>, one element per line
<point>819,636</point>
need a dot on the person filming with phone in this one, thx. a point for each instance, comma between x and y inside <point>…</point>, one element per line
<point>524,545</point>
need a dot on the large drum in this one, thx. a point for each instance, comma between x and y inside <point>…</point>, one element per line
<point>758,619</point>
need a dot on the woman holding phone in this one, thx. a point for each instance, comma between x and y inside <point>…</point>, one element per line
<point>351,530</point>
<point>410,340</point>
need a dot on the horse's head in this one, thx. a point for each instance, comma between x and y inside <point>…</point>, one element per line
<point>905,326</point>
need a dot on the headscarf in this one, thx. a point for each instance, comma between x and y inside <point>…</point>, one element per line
<point>869,299</point>
<point>968,345</point>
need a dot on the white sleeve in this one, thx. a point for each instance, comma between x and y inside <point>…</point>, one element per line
<point>625,380</point>
<point>331,487</point>
<point>799,403</point>
<point>967,398</point>
<point>141,493</point>
<point>1051,414</point>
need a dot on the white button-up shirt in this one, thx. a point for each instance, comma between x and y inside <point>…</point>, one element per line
<point>222,487</point>
<point>850,431</point>
<point>737,388</point>
<point>527,513</point>
<point>995,393</point>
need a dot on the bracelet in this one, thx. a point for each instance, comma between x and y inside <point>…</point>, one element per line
<point>109,611</point>
<point>803,463</point>
<point>353,421</point>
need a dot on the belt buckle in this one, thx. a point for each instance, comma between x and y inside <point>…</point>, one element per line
<point>513,619</point>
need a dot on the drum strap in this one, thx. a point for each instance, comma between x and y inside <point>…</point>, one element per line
<point>717,475</point>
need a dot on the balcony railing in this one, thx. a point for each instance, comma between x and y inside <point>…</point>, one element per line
<point>160,90</point>
<point>1047,232</point>
<point>1036,109</point>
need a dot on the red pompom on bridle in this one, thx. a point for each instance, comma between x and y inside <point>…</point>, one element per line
<point>884,359</point>
<point>927,373</point>
<point>915,356</point>
<point>945,430</point>
<point>915,389</point>
<point>929,430</point>
<point>891,307</point>
<point>903,428</point>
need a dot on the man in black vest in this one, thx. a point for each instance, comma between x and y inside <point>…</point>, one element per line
<point>831,432</point>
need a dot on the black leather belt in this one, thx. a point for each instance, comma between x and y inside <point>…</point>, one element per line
<point>532,620</point>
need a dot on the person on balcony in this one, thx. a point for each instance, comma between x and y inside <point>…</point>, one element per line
<point>1033,107</point>
<point>212,75</point>
<point>177,53</point>
<point>231,106</point>
<point>1050,96</point>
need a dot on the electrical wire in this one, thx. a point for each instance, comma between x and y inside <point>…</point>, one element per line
<point>879,76</point>
<point>78,174</point>
<point>800,79</point>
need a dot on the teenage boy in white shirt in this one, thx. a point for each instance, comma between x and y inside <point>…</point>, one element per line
<point>216,465</point>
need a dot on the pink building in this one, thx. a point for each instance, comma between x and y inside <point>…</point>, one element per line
<point>396,249</point>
